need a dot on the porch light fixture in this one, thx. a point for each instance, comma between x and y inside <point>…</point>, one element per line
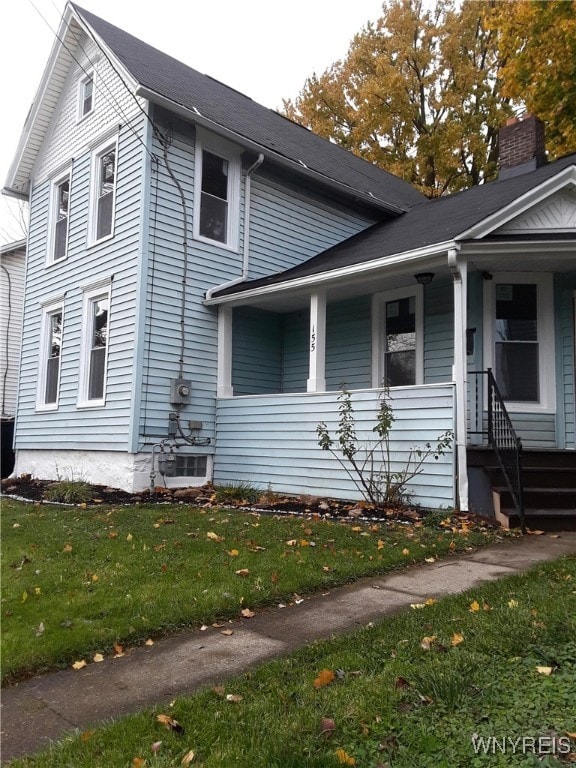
<point>423,278</point>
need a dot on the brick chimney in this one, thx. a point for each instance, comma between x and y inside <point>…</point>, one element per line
<point>521,146</point>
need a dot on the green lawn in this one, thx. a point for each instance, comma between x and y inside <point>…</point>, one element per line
<point>75,582</point>
<point>413,691</point>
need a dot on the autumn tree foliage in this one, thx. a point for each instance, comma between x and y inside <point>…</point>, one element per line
<point>537,46</point>
<point>420,92</point>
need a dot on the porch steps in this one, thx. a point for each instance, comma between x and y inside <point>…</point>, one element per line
<point>549,489</point>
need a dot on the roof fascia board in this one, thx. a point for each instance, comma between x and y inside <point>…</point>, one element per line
<point>333,275</point>
<point>37,102</point>
<point>17,245</point>
<point>302,170</point>
<point>124,73</point>
<point>562,179</point>
<point>512,246</point>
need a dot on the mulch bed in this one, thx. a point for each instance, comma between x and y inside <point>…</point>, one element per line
<point>32,489</point>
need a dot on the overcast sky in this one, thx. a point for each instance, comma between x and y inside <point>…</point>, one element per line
<point>263,48</point>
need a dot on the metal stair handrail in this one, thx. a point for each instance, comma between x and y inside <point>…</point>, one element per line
<point>503,440</point>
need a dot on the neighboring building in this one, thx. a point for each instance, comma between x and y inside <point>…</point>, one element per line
<point>204,276</point>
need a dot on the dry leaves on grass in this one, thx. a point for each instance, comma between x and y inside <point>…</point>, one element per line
<point>169,723</point>
<point>325,677</point>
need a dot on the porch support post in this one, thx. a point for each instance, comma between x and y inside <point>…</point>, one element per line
<point>224,384</point>
<point>459,275</point>
<point>317,369</point>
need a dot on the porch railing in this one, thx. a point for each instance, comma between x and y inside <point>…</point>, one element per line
<point>501,436</point>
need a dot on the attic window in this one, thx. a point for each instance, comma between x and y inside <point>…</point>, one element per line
<point>86,96</point>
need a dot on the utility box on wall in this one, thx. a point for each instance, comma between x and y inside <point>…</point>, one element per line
<point>180,391</point>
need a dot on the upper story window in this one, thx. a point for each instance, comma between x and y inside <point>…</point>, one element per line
<point>103,192</point>
<point>50,355</point>
<point>94,349</point>
<point>86,96</point>
<point>217,193</point>
<point>60,212</point>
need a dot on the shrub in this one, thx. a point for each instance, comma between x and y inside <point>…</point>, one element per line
<point>243,493</point>
<point>69,492</point>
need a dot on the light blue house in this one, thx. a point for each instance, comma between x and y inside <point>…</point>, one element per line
<point>204,276</point>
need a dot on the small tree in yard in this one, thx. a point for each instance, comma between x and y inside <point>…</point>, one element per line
<point>370,466</point>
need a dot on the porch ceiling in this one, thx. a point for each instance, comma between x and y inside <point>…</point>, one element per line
<point>521,255</point>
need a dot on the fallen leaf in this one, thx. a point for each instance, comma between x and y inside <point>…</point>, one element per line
<point>129,537</point>
<point>544,670</point>
<point>431,601</point>
<point>401,682</point>
<point>474,606</point>
<point>85,735</point>
<point>247,613</point>
<point>204,627</point>
<point>325,677</point>
<point>169,723</point>
<point>67,548</point>
<point>457,638</point>
<point>242,572</point>
<point>188,758</point>
<point>429,560</point>
<point>79,664</point>
<point>405,551</point>
<point>156,746</point>
<point>213,536</point>
<point>40,630</point>
<point>344,758</point>
<point>486,607</point>
<point>227,632</point>
<point>417,605</point>
<point>138,762</point>
<point>118,650</point>
<point>233,553</point>
<point>234,697</point>
<point>291,542</point>
<point>149,642</point>
<point>427,641</point>
<point>513,604</point>
<point>380,544</point>
<point>98,658</point>
<point>219,690</point>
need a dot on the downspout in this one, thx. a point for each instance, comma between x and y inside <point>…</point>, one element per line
<point>459,277</point>
<point>7,341</point>
<point>246,245</point>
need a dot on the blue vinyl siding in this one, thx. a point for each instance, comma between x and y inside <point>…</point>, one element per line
<point>270,440</point>
<point>564,288</point>
<point>257,352</point>
<point>438,331</point>
<point>68,427</point>
<point>288,226</point>
<point>349,344</point>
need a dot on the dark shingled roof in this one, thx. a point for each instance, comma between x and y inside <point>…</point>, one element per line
<point>232,110</point>
<point>431,222</point>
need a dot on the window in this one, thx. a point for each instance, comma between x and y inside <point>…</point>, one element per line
<point>94,351</point>
<point>520,339</point>
<point>50,355</point>
<point>59,217</point>
<point>86,96</point>
<point>400,347</point>
<point>103,192</point>
<point>217,193</point>
<point>397,318</point>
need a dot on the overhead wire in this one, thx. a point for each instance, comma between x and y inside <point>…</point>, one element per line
<point>98,82</point>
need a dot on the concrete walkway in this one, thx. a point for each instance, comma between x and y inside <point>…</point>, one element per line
<point>45,708</point>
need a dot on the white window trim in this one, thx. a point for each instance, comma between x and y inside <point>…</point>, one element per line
<point>545,332</point>
<point>98,291</point>
<point>90,75</point>
<point>48,309</point>
<point>379,301</point>
<point>53,216</point>
<point>229,152</point>
<point>97,153</point>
